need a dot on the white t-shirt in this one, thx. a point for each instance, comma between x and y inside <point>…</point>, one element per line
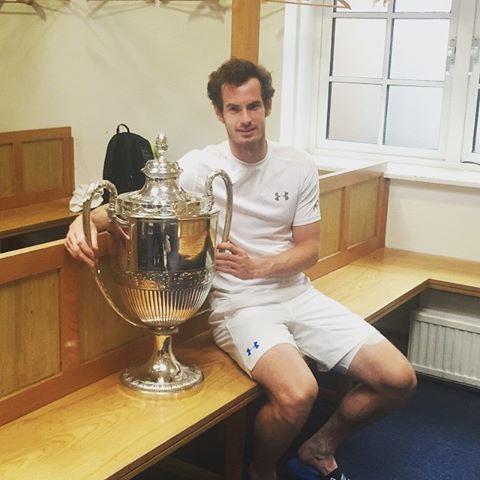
<point>269,197</point>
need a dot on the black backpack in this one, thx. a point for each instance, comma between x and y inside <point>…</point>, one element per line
<point>126,155</point>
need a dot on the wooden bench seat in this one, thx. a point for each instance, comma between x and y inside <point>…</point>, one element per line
<point>107,431</point>
<point>20,220</point>
<point>104,431</point>
<point>377,284</point>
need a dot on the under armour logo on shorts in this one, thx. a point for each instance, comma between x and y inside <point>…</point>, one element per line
<point>278,196</point>
<point>255,345</point>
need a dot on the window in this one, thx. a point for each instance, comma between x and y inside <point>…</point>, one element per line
<point>400,80</point>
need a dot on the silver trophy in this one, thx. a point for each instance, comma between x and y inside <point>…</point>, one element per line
<point>160,263</point>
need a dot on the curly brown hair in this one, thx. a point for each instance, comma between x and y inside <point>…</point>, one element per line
<point>237,71</point>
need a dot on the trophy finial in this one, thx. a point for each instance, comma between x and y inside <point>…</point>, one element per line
<point>161,144</point>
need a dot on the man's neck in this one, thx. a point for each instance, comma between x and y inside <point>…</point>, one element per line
<point>252,153</point>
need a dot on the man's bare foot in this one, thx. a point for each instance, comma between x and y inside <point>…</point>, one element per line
<point>324,462</point>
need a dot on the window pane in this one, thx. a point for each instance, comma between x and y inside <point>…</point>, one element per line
<point>419,49</point>
<point>358,47</point>
<point>476,139</point>
<point>423,5</point>
<point>413,116</point>
<point>354,112</point>
<point>366,6</point>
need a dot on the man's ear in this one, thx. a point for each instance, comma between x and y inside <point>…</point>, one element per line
<point>219,114</point>
<point>268,109</point>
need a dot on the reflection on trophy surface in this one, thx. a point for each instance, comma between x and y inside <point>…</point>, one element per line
<point>160,265</point>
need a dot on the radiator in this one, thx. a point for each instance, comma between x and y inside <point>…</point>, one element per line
<point>445,345</point>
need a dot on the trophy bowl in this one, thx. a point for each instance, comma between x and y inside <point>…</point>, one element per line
<point>160,263</point>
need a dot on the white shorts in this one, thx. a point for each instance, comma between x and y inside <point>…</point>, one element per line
<point>318,326</point>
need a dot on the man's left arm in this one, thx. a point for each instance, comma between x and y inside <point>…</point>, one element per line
<point>234,260</point>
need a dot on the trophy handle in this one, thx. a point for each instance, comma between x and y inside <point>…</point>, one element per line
<point>86,216</point>
<point>86,213</point>
<point>228,186</point>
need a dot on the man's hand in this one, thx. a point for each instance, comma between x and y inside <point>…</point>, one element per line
<point>76,243</point>
<point>232,259</point>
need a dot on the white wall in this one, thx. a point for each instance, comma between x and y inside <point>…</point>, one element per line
<point>91,65</point>
<point>435,219</point>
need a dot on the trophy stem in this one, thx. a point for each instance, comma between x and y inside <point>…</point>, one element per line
<point>163,373</point>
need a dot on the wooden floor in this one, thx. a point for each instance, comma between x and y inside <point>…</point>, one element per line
<point>104,431</point>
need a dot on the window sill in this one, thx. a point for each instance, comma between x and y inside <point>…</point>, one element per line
<point>411,173</point>
<point>440,176</point>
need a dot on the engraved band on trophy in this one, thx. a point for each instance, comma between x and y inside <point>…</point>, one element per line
<point>160,264</point>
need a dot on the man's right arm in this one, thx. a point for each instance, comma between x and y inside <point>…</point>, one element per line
<point>76,243</point>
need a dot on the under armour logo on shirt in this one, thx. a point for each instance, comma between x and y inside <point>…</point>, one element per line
<point>280,195</point>
<point>255,345</point>
<point>315,207</point>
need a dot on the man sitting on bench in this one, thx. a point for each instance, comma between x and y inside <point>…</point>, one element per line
<point>265,313</point>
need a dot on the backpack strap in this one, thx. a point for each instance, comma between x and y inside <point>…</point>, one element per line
<point>122,125</point>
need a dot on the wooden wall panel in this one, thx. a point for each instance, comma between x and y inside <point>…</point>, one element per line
<point>30,325</point>
<point>42,165</point>
<point>362,223</point>
<point>101,329</point>
<point>7,171</point>
<point>354,210</point>
<point>41,329</point>
<point>331,211</point>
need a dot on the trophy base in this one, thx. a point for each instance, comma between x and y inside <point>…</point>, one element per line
<point>143,380</point>
<point>163,373</point>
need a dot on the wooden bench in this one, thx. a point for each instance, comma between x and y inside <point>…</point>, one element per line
<point>20,220</point>
<point>378,283</point>
<point>104,431</point>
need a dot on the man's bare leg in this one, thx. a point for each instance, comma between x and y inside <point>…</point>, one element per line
<point>291,391</point>
<point>386,381</point>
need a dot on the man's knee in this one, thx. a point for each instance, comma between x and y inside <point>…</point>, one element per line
<point>399,380</point>
<point>294,405</point>
<point>383,368</point>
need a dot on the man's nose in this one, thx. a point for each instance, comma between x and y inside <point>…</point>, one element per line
<point>245,116</point>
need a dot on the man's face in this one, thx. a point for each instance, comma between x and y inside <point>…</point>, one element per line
<point>243,113</point>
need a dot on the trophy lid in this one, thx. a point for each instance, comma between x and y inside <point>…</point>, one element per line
<point>161,196</point>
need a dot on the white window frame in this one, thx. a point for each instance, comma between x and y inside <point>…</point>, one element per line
<point>302,75</point>
<point>473,73</point>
